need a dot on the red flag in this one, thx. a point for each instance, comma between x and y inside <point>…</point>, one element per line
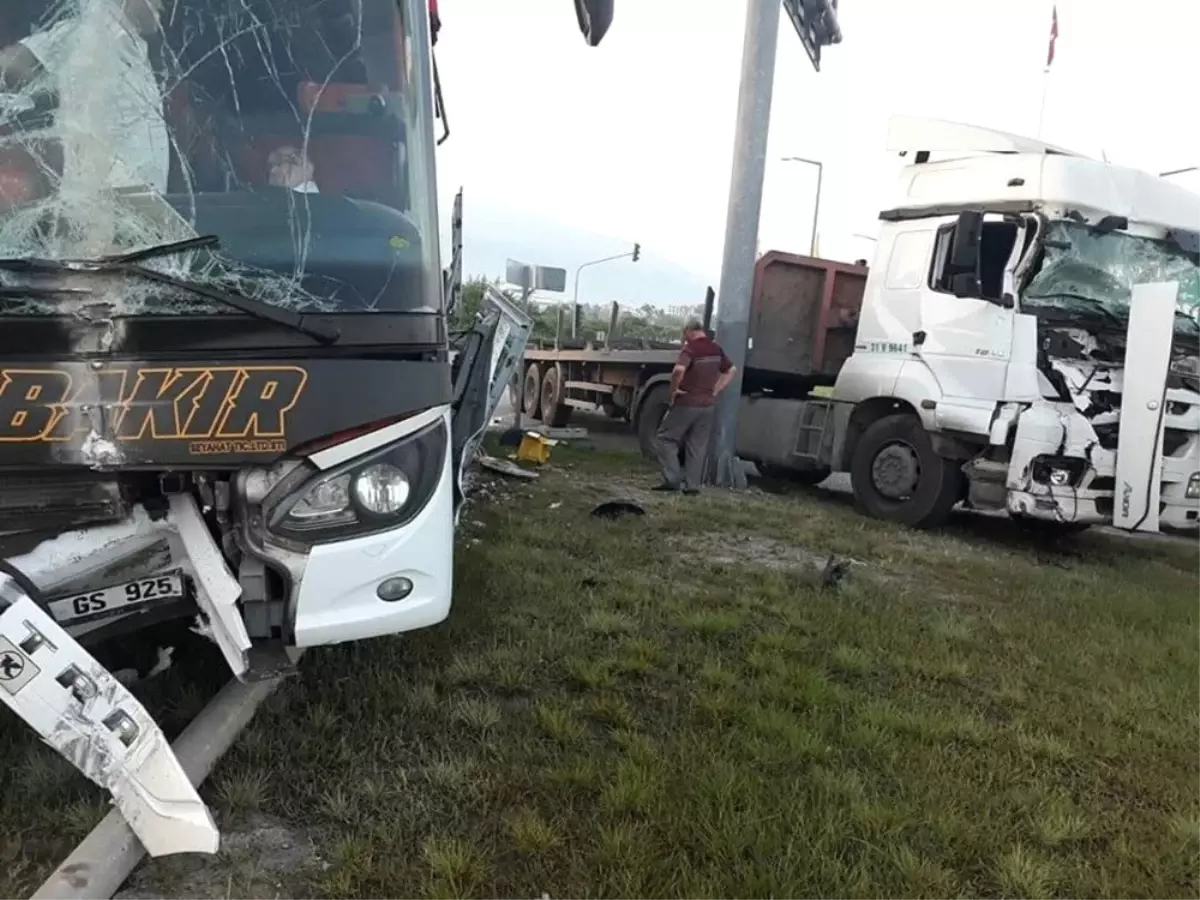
<point>1053,36</point>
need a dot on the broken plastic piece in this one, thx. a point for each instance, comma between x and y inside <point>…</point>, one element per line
<point>84,713</point>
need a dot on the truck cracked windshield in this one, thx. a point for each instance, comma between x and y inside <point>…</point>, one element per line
<point>1090,272</point>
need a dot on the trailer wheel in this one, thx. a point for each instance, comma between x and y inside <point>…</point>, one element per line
<point>896,475</point>
<point>531,397</point>
<point>650,415</point>
<point>555,413</point>
<point>516,396</point>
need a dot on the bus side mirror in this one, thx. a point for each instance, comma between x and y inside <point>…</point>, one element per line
<point>594,17</point>
<point>964,242</point>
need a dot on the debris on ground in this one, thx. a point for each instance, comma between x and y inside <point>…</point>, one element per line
<point>570,433</point>
<point>511,437</point>
<point>535,448</point>
<point>617,509</point>
<point>760,552</point>
<point>835,571</point>
<point>507,467</point>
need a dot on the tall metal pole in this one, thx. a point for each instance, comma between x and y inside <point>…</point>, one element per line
<point>741,224</point>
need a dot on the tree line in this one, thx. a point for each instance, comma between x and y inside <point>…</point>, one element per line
<point>646,322</point>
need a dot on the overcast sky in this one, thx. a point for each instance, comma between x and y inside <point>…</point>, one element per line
<point>634,138</point>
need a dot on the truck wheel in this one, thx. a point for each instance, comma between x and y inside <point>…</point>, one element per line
<point>897,476</point>
<point>555,413</point>
<point>531,399</point>
<point>650,415</point>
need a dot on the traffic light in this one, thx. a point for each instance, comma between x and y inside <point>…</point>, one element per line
<point>637,251</point>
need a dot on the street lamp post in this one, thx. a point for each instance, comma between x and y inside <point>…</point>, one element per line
<point>812,251</point>
<point>633,254</point>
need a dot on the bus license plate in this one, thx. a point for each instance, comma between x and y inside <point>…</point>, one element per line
<point>119,597</point>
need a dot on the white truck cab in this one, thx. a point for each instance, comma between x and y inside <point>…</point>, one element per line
<point>1028,340</point>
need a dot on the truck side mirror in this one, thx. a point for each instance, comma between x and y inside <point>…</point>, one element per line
<point>964,242</point>
<point>966,285</point>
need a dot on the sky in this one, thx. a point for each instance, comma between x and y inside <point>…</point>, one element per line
<point>633,139</point>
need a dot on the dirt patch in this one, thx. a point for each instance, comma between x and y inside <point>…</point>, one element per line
<point>754,551</point>
<point>258,859</point>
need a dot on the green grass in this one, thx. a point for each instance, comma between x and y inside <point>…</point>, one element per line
<point>630,708</point>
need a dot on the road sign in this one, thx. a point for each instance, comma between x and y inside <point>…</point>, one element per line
<point>816,24</point>
<point>535,278</point>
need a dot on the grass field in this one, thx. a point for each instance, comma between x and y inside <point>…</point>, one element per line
<point>674,705</point>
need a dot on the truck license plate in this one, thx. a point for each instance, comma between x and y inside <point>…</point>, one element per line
<point>119,597</point>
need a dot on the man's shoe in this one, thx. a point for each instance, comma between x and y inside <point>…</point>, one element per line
<point>690,491</point>
<point>665,488</point>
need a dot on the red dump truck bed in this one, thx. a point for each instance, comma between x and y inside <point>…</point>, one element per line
<point>803,315</point>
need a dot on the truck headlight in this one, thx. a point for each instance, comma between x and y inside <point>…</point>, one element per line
<point>381,490</point>
<point>1193,487</point>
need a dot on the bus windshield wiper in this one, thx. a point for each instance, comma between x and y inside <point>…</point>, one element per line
<point>129,264</point>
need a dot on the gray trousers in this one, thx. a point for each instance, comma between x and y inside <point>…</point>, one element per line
<point>688,427</point>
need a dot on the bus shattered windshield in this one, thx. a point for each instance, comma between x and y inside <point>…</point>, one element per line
<point>291,133</point>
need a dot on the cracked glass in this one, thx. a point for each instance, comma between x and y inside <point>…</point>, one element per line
<point>1085,269</point>
<point>297,133</point>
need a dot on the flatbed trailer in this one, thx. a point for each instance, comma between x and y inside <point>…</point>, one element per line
<point>803,317</point>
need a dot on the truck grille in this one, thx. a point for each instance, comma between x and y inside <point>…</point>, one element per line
<point>57,498</point>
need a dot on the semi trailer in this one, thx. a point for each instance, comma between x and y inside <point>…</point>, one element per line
<point>229,401</point>
<point>1025,340</point>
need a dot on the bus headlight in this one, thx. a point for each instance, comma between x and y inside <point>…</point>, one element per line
<point>383,489</point>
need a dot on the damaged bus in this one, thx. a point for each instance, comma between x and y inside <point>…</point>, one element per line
<point>228,398</point>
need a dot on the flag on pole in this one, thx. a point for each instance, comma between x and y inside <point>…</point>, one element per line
<point>1053,37</point>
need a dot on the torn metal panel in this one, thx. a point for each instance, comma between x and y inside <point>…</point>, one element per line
<point>217,590</point>
<point>1143,407</point>
<point>84,713</point>
<point>77,555</point>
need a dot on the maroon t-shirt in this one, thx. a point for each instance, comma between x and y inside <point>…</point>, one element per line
<point>705,361</point>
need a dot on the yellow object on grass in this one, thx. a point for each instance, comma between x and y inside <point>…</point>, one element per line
<point>534,448</point>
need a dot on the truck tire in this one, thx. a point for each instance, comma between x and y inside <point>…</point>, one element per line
<point>555,413</point>
<point>532,391</point>
<point>650,414</point>
<point>897,476</point>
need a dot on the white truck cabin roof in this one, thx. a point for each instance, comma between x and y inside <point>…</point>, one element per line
<point>1004,171</point>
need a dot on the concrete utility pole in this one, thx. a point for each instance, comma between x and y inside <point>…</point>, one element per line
<point>816,24</point>
<point>741,225</point>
